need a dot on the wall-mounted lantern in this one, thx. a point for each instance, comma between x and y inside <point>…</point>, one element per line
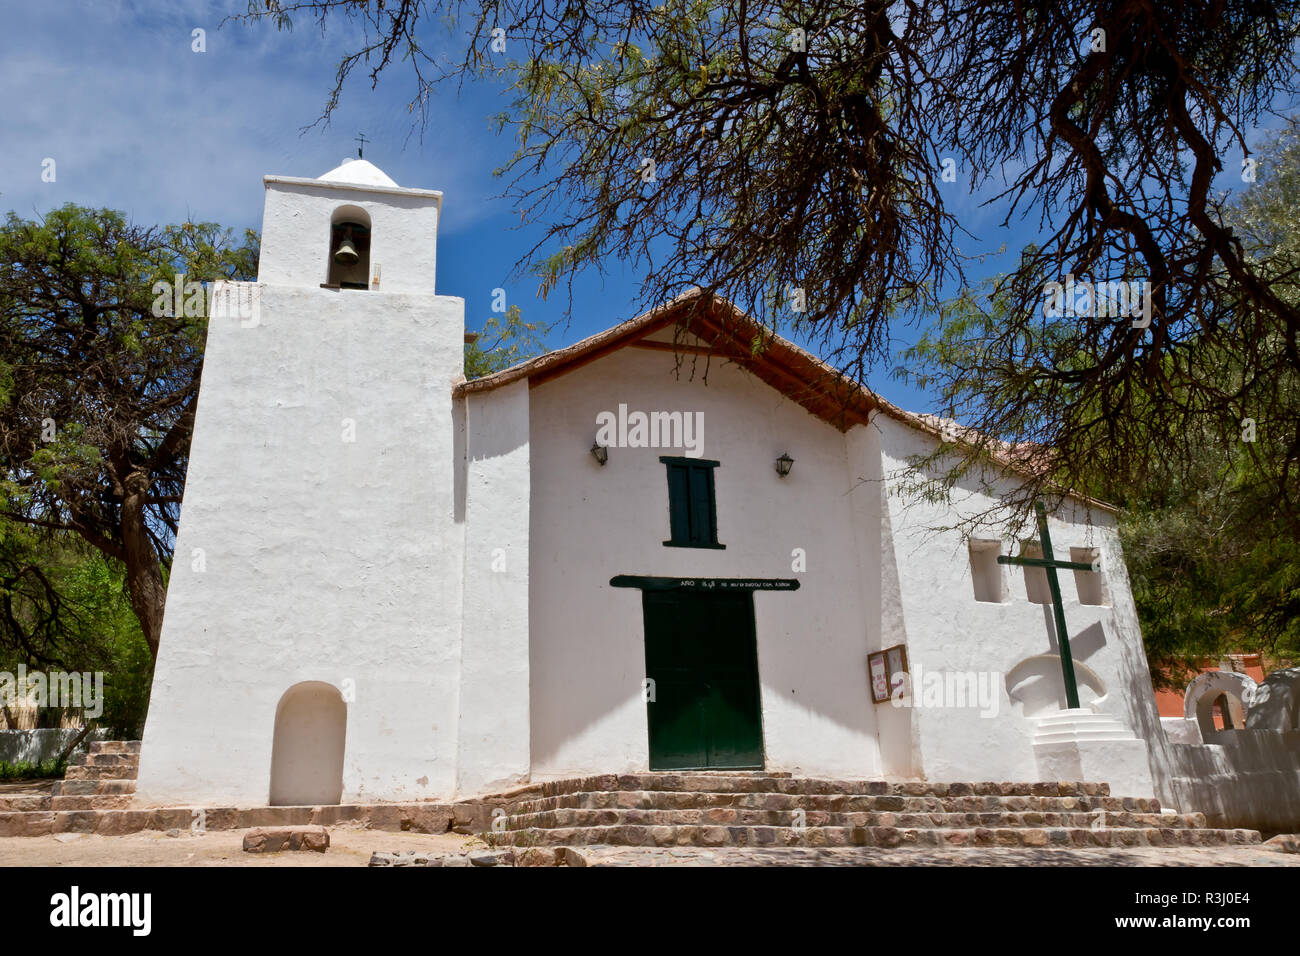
<point>600,453</point>
<point>783,465</point>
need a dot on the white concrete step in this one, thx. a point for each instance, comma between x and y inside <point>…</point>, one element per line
<point>1079,724</point>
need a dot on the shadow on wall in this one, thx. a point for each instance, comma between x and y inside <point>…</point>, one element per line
<point>307,753</point>
<point>1037,687</point>
<point>1275,704</point>
<point>1239,776</point>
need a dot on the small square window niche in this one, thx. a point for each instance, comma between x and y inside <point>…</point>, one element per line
<point>1036,587</point>
<point>985,571</point>
<point>1091,587</point>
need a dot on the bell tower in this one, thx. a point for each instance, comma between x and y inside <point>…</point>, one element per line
<point>353,228</point>
<point>313,622</point>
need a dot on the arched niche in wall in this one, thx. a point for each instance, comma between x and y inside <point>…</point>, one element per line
<point>1037,687</point>
<point>1206,690</point>
<point>349,248</point>
<point>307,752</point>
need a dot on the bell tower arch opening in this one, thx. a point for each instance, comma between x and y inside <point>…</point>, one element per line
<point>349,248</point>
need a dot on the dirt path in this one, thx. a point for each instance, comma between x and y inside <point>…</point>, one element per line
<point>352,847</point>
<point>216,848</point>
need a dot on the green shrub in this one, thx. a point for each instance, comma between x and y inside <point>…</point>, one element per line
<point>26,770</point>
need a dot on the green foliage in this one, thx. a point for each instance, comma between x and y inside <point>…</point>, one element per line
<point>63,606</point>
<point>128,666</point>
<point>1215,565</point>
<point>1200,455</point>
<point>504,342</point>
<point>46,618</point>
<point>98,379</point>
<point>1208,580</point>
<point>25,770</point>
<point>757,149</point>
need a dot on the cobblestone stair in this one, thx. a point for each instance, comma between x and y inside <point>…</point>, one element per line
<point>11,803</point>
<point>774,810</point>
<point>735,809</point>
<point>102,778</point>
<point>97,795</point>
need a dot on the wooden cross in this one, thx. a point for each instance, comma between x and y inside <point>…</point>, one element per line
<point>361,140</point>
<point>1050,565</point>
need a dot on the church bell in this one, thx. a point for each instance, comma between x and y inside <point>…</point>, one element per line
<point>346,253</point>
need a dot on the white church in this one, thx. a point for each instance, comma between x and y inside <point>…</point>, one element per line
<point>658,548</point>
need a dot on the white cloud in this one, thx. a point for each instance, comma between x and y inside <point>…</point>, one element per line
<point>137,121</point>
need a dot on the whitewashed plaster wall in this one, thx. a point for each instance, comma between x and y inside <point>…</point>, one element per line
<point>590,523</point>
<point>41,744</point>
<point>322,559</point>
<point>881,596</point>
<point>1246,776</point>
<point>1240,778</point>
<point>947,630</point>
<point>494,710</point>
<point>296,233</point>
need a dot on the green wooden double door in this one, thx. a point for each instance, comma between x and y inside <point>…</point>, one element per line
<point>701,653</point>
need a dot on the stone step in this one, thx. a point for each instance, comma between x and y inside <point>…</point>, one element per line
<point>24,802</point>
<point>869,836</point>
<point>91,801</point>
<point>414,817</point>
<point>106,760</point>
<point>1084,734</point>
<point>66,787</point>
<point>120,772</point>
<point>726,816</point>
<point>1070,726</point>
<point>842,803</point>
<point>720,782</point>
<point>1077,717</point>
<point>115,746</point>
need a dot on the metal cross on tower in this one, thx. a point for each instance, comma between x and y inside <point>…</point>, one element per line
<point>1048,563</point>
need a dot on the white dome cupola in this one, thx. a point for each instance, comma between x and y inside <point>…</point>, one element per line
<point>358,172</point>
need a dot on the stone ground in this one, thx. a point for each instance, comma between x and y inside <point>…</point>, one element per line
<point>13,788</point>
<point>215,848</point>
<point>353,847</point>
<point>349,847</point>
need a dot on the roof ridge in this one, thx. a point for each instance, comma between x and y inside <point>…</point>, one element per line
<point>854,408</point>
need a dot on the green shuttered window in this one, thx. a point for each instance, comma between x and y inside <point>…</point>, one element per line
<point>692,511</point>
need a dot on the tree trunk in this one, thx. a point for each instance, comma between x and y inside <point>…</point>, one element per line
<point>143,575</point>
<point>67,751</point>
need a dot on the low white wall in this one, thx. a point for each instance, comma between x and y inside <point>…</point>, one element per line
<point>1238,778</point>
<point>1179,730</point>
<point>38,746</point>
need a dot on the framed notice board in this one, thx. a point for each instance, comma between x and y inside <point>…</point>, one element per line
<point>896,664</point>
<point>878,673</point>
<point>885,670</point>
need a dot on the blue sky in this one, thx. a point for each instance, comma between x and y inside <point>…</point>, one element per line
<point>111,90</point>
